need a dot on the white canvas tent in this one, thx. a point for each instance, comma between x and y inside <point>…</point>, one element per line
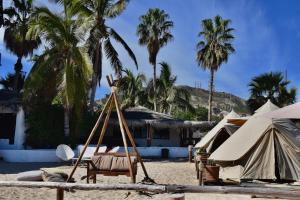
<point>223,128</point>
<point>266,108</point>
<point>287,112</point>
<point>264,148</point>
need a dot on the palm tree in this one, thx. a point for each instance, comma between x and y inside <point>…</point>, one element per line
<point>270,86</point>
<point>132,89</point>
<point>93,16</point>
<point>62,55</point>
<point>8,82</point>
<point>16,26</point>
<point>214,49</point>
<point>154,32</point>
<point>171,97</point>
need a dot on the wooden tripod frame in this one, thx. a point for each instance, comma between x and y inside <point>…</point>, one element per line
<point>111,102</point>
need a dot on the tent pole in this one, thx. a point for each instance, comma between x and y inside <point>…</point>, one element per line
<point>123,136</point>
<point>89,138</point>
<point>104,126</point>
<point>129,134</point>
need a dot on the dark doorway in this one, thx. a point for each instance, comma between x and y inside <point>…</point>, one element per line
<point>8,126</point>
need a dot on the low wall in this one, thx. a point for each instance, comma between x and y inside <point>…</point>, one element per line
<point>48,155</point>
<point>37,155</point>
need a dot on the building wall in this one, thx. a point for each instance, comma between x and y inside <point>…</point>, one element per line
<point>173,141</point>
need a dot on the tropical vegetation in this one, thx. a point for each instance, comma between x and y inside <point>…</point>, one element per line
<point>15,21</point>
<point>214,49</point>
<point>132,89</point>
<point>63,56</point>
<point>93,15</point>
<point>271,86</point>
<point>60,88</point>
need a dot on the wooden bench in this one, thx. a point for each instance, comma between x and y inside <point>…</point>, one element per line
<point>111,164</point>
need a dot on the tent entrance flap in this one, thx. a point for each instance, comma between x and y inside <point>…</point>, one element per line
<point>261,161</point>
<point>288,157</point>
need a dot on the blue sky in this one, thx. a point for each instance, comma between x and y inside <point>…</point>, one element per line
<point>267,39</point>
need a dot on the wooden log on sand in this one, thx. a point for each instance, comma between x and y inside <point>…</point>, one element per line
<point>285,193</point>
<point>276,192</point>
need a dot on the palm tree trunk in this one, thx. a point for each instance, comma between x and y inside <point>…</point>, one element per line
<point>93,91</point>
<point>154,86</point>
<point>66,121</point>
<point>18,69</point>
<point>96,74</point>
<point>1,13</point>
<point>210,98</point>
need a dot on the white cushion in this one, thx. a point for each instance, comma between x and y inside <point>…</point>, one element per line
<point>89,152</point>
<point>35,175</point>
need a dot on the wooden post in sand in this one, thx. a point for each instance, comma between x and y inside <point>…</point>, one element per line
<point>59,194</point>
<point>190,148</point>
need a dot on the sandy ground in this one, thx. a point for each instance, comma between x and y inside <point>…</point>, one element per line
<point>163,172</point>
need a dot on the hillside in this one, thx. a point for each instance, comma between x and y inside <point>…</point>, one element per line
<point>221,102</point>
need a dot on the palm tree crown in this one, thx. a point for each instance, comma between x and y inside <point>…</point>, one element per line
<point>154,31</point>
<point>270,86</point>
<point>216,46</point>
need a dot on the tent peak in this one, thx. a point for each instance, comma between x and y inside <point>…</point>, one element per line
<point>267,107</point>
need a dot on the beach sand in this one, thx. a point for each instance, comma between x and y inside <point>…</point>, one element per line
<point>163,172</point>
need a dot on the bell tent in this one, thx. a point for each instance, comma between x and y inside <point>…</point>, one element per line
<point>263,148</point>
<point>221,132</point>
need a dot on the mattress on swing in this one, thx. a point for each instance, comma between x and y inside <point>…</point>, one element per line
<point>113,163</point>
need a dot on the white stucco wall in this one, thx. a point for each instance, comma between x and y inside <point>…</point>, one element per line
<point>20,130</point>
<point>37,155</point>
<point>48,155</point>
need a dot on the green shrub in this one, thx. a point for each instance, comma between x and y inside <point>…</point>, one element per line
<point>45,127</point>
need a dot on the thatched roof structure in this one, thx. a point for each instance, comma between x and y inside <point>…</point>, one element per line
<point>141,116</point>
<point>9,101</point>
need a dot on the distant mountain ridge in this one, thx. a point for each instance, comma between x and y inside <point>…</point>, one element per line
<point>222,101</point>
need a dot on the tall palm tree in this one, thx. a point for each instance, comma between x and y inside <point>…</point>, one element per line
<point>270,86</point>
<point>214,49</point>
<point>16,26</point>
<point>154,31</point>
<point>170,96</point>
<point>132,89</point>
<point>62,55</point>
<point>93,16</point>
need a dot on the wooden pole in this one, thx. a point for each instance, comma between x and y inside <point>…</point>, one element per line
<point>123,136</point>
<point>190,148</point>
<point>133,144</point>
<point>59,194</point>
<point>89,138</point>
<point>104,126</point>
